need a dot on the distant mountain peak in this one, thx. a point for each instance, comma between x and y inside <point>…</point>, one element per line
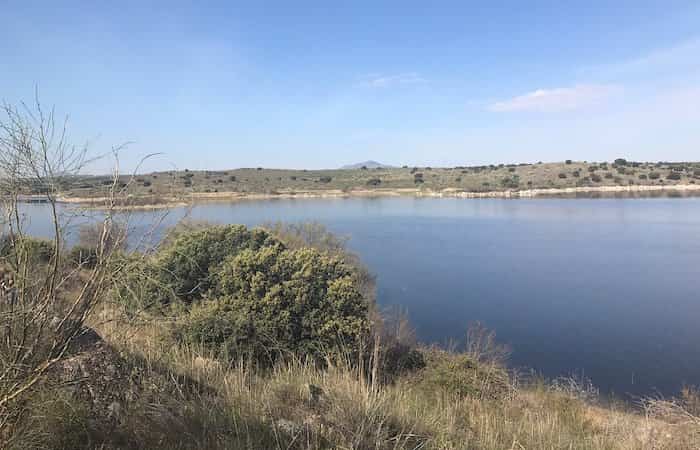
<point>367,164</point>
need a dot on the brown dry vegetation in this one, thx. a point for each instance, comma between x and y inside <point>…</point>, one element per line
<point>187,400</point>
<point>154,188</point>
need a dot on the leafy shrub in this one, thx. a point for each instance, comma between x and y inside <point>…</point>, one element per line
<point>654,175</point>
<point>562,175</point>
<point>463,376</point>
<point>568,161</point>
<point>511,182</point>
<point>374,182</point>
<point>608,175</point>
<point>189,259</point>
<point>620,162</point>
<point>232,178</point>
<point>275,300</point>
<point>576,173</point>
<point>399,358</point>
<point>673,176</point>
<point>642,176</point>
<point>141,283</point>
<point>37,251</point>
<point>325,179</point>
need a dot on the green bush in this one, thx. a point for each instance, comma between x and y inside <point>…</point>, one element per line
<point>511,182</point>
<point>620,162</point>
<point>462,376</point>
<point>325,179</point>
<point>138,283</point>
<point>654,175</point>
<point>35,250</point>
<point>562,175</point>
<point>273,300</point>
<point>187,263</point>
<point>398,359</point>
<point>568,161</point>
<point>642,176</point>
<point>374,182</point>
<point>596,178</point>
<point>673,176</point>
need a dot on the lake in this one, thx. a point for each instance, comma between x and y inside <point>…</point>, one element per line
<point>607,289</point>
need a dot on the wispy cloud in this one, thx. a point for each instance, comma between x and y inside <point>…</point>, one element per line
<point>382,81</point>
<point>556,99</point>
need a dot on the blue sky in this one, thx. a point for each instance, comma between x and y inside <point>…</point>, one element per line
<point>321,84</point>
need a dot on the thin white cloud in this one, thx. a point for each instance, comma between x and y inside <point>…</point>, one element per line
<point>555,100</point>
<point>382,81</point>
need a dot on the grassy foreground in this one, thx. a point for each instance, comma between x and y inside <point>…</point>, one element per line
<point>163,187</point>
<point>189,401</point>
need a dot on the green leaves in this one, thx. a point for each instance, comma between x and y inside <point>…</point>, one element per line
<point>268,299</point>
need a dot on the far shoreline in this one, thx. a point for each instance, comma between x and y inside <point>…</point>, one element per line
<point>633,191</point>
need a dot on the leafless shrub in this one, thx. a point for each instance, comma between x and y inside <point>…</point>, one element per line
<point>684,410</point>
<point>45,306</point>
<point>481,345</point>
<point>576,387</point>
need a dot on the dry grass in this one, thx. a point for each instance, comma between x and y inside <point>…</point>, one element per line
<point>195,402</point>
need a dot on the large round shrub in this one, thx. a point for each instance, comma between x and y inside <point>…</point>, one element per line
<point>273,300</point>
<point>188,262</point>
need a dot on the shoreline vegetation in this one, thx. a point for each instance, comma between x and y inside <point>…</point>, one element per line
<point>620,178</point>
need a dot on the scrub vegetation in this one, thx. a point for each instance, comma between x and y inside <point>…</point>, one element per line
<point>164,187</point>
<point>225,337</point>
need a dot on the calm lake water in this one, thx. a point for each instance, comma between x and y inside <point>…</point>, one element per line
<point>604,288</point>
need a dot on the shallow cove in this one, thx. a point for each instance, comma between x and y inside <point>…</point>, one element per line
<point>604,288</point>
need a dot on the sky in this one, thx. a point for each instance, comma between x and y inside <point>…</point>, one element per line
<point>219,85</point>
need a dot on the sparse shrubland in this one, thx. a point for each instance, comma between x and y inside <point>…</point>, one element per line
<point>179,186</point>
